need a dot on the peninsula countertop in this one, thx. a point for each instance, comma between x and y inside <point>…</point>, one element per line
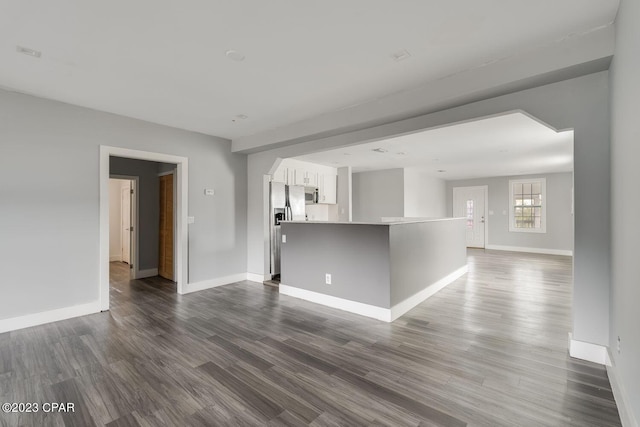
<point>389,222</point>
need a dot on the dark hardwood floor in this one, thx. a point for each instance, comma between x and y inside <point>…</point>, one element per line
<point>488,350</point>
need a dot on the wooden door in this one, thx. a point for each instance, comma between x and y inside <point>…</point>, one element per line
<point>165,259</point>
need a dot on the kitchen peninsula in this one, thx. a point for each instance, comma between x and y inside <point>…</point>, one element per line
<point>375,269</point>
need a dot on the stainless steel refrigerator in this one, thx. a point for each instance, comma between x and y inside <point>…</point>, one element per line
<point>287,204</point>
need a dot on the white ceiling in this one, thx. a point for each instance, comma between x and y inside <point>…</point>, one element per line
<point>512,144</point>
<point>165,61</point>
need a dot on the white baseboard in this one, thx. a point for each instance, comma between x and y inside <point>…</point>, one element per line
<point>253,277</point>
<point>590,352</point>
<point>622,399</point>
<point>380,313</point>
<point>35,319</point>
<point>150,272</point>
<point>114,258</point>
<point>406,305</point>
<point>213,283</point>
<point>564,252</point>
<point>367,310</point>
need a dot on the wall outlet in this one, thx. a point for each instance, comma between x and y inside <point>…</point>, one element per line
<point>284,238</point>
<point>618,345</point>
<point>209,192</point>
<point>191,220</point>
<point>327,279</point>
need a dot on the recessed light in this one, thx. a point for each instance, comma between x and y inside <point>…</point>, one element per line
<point>436,160</point>
<point>441,170</point>
<point>379,150</point>
<point>504,151</point>
<point>401,153</point>
<point>400,55</point>
<point>346,154</point>
<point>240,117</point>
<point>235,55</point>
<point>27,51</point>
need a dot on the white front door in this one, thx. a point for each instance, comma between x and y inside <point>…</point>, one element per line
<point>469,203</point>
<point>126,223</point>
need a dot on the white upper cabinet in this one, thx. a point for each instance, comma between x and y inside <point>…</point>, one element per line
<point>327,188</point>
<point>280,175</point>
<point>295,172</point>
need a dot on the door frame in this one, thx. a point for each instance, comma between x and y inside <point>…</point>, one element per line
<point>182,174</point>
<point>485,191</point>
<point>134,273</point>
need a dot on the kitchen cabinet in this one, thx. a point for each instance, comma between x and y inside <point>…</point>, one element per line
<point>305,177</point>
<point>280,175</point>
<point>327,189</point>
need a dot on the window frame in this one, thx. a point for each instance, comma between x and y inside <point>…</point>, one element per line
<point>543,214</point>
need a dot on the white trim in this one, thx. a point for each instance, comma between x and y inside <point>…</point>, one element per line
<point>182,173</point>
<point>253,277</point>
<point>35,319</point>
<point>213,283</point>
<point>149,272</point>
<point>115,258</point>
<point>409,303</point>
<point>622,398</point>
<point>367,310</point>
<point>171,172</point>
<point>543,217</point>
<point>586,351</point>
<point>565,252</point>
<point>380,313</point>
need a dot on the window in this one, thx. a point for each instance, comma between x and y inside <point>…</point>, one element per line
<point>470,214</point>
<point>528,210</point>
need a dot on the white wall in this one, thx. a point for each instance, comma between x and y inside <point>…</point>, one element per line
<point>579,103</point>
<point>49,218</point>
<point>378,194</point>
<point>625,176</point>
<point>559,235</point>
<point>115,218</point>
<point>424,195</point>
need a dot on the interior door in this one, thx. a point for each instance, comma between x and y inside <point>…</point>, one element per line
<point>165,250</point>
<point>126,222</point>
<point>469,203</point>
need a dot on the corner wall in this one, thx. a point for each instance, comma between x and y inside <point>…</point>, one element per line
<point>49,211</point>
<point>378,194</point>
<point>625,205</point>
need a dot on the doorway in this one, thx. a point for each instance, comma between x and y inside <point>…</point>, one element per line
<point>123,221</point>
<point>471,203</point>
<point>180,167</point>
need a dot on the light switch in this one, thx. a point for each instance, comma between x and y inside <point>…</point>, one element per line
<point>209,192</point>
<point>490,212</point>
<point>504,212</point>
<point>284,238</point>
<point>191,219</point>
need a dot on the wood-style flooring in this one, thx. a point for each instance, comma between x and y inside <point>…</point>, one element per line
<point>488,350</point>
